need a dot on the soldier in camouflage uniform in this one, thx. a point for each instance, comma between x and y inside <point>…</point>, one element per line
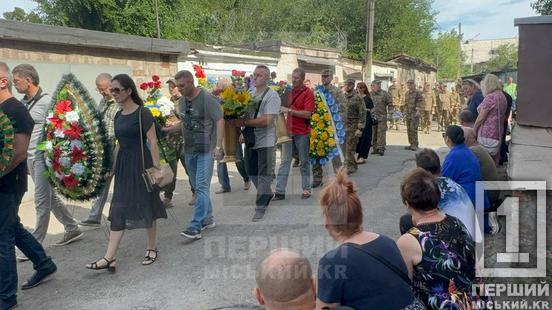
<point>443,102</point>
<point>382,104</point>
<point>413,105</point>
<point>337,94</point>
<point>454,106</point>
<point>395,94</point>
<point>428,106</point>
<point>353,115</point>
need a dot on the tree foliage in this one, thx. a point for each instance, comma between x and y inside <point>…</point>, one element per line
<point>446,54</point>
<point>543,7</point>
<point>20,15</point>
<point>504,57</point>
<point>401,26</point>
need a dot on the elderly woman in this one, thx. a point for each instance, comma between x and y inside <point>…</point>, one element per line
<point>438,252</point>
<point>366,271</point>
<point>489,124</point>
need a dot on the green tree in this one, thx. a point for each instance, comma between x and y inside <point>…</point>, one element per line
<point>19,14</point>
<point>543,7</point>
<point>446,58</point>
<point>504,57</point>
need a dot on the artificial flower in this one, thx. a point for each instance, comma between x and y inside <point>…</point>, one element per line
<point>72,116</point>
<point>144,86</point>
<point>77,169</point>
<point>70,181</point>
<point>155,78</point>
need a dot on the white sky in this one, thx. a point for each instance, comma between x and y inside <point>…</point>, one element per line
<point>491,19</point>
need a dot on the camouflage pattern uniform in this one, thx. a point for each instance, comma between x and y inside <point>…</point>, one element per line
<point>382,104</point>
<point>454,107</point>
<point>413,106</point>
<point>317,172</point>
<point>353,116</point>
<point>430,103</point>
<point>397,97</point>
<point>443,102</point>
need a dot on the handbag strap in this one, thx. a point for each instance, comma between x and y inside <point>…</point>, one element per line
<point>382,260</point>
<point>261,102</point>
<point>141,139</point>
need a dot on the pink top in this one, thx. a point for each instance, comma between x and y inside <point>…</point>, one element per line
<point>492,126</point>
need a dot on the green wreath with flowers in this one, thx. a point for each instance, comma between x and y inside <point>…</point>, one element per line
<point>7,137</point>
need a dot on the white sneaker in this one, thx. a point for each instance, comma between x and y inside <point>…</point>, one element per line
<point>246,185</point>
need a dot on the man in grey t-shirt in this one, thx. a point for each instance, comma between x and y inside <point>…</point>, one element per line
<point>258,157</point>
<point>202,126</point>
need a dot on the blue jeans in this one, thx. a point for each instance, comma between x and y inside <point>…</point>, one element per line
<point>222,170</point>
<point>301,143</point>
<point>200,169</point>
<point>12,233</point>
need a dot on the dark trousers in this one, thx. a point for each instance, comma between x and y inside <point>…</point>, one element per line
<point>12,233</point>
<point>169,189</point>
<point>258,163</point>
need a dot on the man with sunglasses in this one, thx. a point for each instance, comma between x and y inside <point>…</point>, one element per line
<point>108,108</point>
<point>13,185</point>
<point>202,126</point>
<point>26,81</point>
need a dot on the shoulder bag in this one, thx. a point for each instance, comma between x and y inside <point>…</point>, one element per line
<point>249,132</point>
<point>167,174</point>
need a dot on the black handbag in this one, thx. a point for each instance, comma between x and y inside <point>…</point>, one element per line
<point>249,132</point>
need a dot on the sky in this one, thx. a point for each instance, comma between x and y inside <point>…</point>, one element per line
<point>481,19</point>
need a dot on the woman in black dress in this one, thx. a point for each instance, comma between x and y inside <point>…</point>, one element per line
<point>132,205</point>
<point>365,141</point>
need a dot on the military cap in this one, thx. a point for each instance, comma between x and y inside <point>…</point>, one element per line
<point>376,82</point>
<point>327,72</point>
<point>171,82</point>
<point>350,81</point>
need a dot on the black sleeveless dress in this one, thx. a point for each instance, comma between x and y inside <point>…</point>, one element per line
<point>132,206</point>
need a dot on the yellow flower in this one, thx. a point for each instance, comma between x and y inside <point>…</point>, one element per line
<point>321,105</point>
<point>321,153</point>
<point>331,142</point>
<point>228,93</point>
<point>320,144</point>
<point>155,112</point>
<point>327,116</point>
<point>315,117</point>
<point>330,130</point>
<point>320,125</point>
<point>243,97</point>
<point>324,136</point>
<point>150,102</point>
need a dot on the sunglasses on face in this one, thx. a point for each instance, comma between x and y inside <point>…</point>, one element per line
<point>116,90</point>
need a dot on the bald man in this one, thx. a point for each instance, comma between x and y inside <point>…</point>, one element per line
<point>284,281</point>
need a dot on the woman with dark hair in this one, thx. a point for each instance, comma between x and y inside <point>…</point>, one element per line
<point>439,252</point>
<point>365,141</point>
<point>366,271</point>
<point>460,164</point>
<point>132,205</point>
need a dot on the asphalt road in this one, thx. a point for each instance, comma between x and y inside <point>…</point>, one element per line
<point>216,272</point>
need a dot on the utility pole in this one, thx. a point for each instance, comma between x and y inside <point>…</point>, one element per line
<point>459,50</point>
<point>157,19</point>
<point>369,40</point>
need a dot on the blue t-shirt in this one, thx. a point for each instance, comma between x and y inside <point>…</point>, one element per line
<point>355,279</point>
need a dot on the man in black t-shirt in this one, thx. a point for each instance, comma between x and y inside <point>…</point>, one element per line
<point>13,184</point>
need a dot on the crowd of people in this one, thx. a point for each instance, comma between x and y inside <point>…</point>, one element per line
<point>367,270</point>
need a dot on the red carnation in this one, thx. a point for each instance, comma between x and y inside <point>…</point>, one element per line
<point>70,182</point>
<point>144,86</point>
<point>76,155</point>
<point>157,84</point>
<point>57,153</point>
<point>56,166</point>
<point>151,84</point>
<point>234,72</point>
<point>155,78</point>
<point>56,122</point>
<point>242,73</point>
<point>63,106</point>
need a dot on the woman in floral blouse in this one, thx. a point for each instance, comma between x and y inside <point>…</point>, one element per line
<point>439,251</point>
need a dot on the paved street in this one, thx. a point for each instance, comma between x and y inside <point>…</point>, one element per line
<point>217,271</point>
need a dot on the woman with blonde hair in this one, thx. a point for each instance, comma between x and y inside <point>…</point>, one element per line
<point>366,271</point>
<point>489,124</point>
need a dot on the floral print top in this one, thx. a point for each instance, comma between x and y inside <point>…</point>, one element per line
<point>492,127</point>
<point>443,279</point>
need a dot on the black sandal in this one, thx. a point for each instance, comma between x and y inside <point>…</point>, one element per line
<point>94,265</point>
<point>148,259</point>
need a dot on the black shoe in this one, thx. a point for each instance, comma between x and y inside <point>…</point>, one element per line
<point>258,215</point>
<point>316,184</point>
<point>191,234</point>
<point>8,304</point>
<point>278,196</point>
<point>39,277</point>
<point>207,224</point>
<point>91,223</point>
